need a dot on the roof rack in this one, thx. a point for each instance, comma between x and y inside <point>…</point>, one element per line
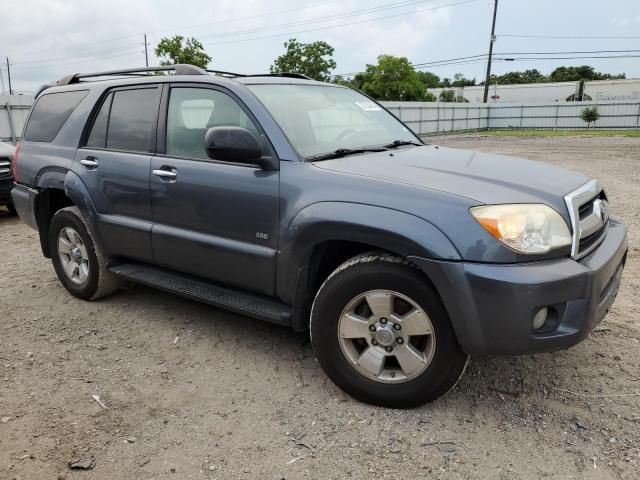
<point>179,69</point>
<point>226,74</point>
<point>284,74</point>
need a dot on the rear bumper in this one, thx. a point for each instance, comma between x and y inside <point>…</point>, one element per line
<point>492,306</point>
<point>24,200</point>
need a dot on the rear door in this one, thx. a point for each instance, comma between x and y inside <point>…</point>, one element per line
<point>114,165</point>
<point>214,219</point>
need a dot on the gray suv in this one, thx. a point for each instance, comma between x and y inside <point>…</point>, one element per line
<point>308,205</point>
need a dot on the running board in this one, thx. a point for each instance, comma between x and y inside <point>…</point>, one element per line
<point>240,301</point>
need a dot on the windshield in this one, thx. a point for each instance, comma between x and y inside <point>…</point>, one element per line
<point>321,119</point>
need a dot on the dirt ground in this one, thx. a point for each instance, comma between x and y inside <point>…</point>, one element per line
<point>192,392</point>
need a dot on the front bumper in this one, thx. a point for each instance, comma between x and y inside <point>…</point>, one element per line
<point>491,306</point>
<point>6,184</point>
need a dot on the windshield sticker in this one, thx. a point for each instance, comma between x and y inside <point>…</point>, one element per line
<point>368,106</point>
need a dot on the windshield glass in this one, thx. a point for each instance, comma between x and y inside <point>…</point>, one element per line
<point>321,119</point>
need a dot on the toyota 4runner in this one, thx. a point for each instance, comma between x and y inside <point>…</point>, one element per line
<point>308,205</point>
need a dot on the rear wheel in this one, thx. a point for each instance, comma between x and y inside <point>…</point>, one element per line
<point>381,333</point>
<point>80,265</point>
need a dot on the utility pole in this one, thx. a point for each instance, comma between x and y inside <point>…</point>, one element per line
<point>146,54</point>
<point>9,76</point>
<point>493,39</point>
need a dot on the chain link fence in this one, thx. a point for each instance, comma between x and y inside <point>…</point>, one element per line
<point>435,118</point>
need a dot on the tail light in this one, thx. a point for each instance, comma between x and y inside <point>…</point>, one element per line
<point>14,163</point>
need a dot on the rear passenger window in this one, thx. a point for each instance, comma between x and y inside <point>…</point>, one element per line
<point>132,119</point>
<point>49,114</point>
<point>98,136</point>
<point>192,111</point>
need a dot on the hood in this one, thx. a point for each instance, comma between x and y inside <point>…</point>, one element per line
<point>482,177</point>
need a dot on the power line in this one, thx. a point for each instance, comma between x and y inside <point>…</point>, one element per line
<point>31,67</point>
<point>82,55</point>
<point>337,16</point>
<point>367,11</point>
<point>251,17</point>
<point>462,2</point>
<point>572,37</point>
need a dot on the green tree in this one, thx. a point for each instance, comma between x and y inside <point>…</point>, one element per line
<point>447,96</point>
<point>340,80</point>
<point>430,80</point>
<point>590,115</point>
<point>459,80</point>
<point>583,72</point>
<point>514,78</point>
<point>315,60</point>
<point>392,78</point>
<point>180,50</point>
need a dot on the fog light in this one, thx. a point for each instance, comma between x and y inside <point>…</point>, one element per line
<point>540,318</point>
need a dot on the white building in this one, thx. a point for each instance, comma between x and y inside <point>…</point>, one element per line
<point>599,90</point>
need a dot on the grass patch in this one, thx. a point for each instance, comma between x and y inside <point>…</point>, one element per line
<point>562,133</point>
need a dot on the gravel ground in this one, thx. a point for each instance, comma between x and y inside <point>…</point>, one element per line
<point>194,392</point>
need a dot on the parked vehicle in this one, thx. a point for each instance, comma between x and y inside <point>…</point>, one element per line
<point>308,205</point>
<point>6,180</point>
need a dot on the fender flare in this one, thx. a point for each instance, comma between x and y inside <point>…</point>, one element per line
<point>392,230</point>
<point>76,190</point>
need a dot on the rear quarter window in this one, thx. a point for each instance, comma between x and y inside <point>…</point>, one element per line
<point>50,113</point>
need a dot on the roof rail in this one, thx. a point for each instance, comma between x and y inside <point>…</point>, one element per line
<point>179,69</point>
<point>284,74</point>
<point>227,74</point>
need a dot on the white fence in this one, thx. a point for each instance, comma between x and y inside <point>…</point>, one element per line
<point>13,113</point>
<point>433,118</point>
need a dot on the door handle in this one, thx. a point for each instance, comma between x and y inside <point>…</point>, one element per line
<point>90,162</point>
<point>165,174</point>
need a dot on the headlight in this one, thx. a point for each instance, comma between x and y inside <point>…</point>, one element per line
<point>526,228</point>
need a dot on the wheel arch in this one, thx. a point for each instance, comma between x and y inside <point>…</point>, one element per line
<point>323,236</point>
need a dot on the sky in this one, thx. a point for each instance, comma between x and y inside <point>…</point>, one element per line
<point>46,40</point>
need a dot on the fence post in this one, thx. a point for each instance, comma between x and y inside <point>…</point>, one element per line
<point>466,123</point>
<point>438,118</point>
<point>555,125</point>
<point>420,121</point>
<point>453,117</point>
<point>12,128</point>
<point>521,114</point>
<point>488,107</point>
<point>638,118</point>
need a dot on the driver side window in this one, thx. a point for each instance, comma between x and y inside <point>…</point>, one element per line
<point>192,111</point>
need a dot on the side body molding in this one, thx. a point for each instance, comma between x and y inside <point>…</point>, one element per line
<point>380,227</point>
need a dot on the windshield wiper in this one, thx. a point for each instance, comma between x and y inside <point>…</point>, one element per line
<point>401,143</point>
<point>343,152</point>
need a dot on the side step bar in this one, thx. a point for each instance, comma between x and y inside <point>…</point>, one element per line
<point>240,301</point>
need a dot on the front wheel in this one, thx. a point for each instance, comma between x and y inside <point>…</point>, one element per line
<point>381,333</point>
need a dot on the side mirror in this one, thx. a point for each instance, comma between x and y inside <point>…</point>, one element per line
<point>234,144</point>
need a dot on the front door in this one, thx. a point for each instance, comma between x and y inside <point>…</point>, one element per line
<point>213,219</point>
<point>114,165</point>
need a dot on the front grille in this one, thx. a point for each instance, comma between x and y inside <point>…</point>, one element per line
<point>592,240</point>
<point>589,218</point>
<point>587,209</point>
<point>5,167</point>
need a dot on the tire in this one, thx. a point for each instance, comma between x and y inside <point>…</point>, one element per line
<point>12,209</point>
<point>374,276</point>
<point>97,281</point>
